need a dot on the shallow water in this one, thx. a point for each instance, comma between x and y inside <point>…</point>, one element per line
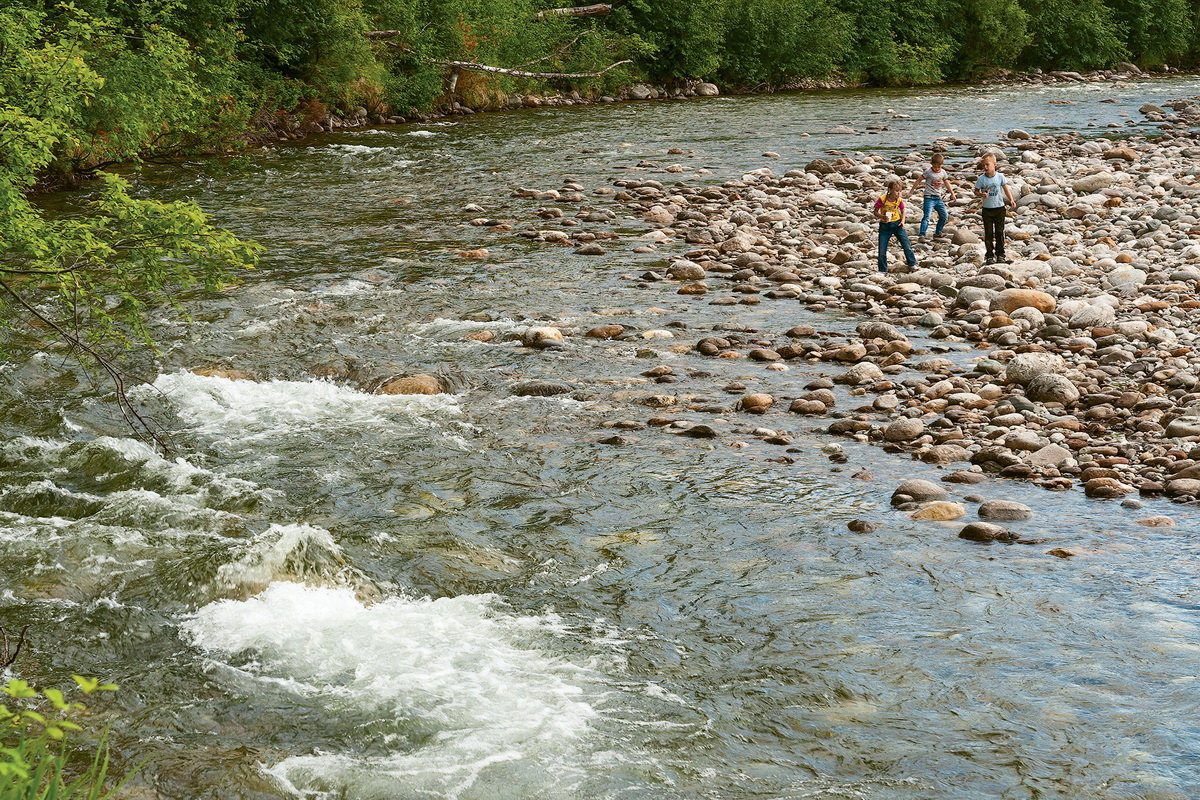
<point>328,594</point>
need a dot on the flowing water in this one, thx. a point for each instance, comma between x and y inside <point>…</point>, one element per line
<point>322,593</point>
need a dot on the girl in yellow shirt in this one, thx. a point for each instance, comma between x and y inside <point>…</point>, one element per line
<point>889,210</point>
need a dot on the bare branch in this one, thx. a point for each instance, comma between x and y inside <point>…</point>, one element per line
<point>132,416</point>
<point>596,10</point>
<point>7,658</point>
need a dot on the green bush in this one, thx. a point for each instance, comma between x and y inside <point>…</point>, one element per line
<point>36,760</point>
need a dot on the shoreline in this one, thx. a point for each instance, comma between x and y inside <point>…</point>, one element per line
<point>1087,363</point>
<point>290,126</point>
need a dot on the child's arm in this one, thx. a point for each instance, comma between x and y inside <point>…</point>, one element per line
<point>1012,201</point>
<point>877,210</point>
<point>917,184</point>
<point>950,188</point>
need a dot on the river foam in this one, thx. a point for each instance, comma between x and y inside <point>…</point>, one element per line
<point>462,702</point>
<point>220,406</point>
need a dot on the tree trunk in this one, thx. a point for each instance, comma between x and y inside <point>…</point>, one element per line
<point>596,10</point>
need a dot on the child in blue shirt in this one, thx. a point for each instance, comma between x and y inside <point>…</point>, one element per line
<point>997,198</point>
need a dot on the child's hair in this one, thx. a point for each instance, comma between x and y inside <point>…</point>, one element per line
<point>893,183</point>
<point>986,157</point>
<point>937,159</point>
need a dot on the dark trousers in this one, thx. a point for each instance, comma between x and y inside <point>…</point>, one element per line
<point>993,232</point>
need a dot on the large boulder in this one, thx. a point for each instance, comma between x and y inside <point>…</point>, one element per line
<point>1052,388</point>
<point>919,490</point>
<point>1027,366</point>
<point>1093,315</point>
<point>1091,184</point>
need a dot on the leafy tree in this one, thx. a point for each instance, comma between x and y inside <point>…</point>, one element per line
<point>992,33</point>
<point>90,279</point>
<point>1073,34</point>
<point>1156,31</point>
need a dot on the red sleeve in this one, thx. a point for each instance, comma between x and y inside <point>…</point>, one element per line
<point>879,202</point>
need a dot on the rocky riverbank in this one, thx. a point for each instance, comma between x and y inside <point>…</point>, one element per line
<point>1087,369</point>
<point>316,118</point>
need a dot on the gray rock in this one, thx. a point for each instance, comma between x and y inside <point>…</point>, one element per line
<point>1027,366</point>
<point>1052,455</point>
<point>1004,510</point>
<point>1052,388</point>
<point>985,532</point>
<point>919,490</point>
<point>903,430</point>
<point>540,388</point>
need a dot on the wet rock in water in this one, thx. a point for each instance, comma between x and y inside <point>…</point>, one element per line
<point>1180,487</point>
<point>763,354</point>
<point>541,337</point>
<point>617,440</point>
<point>540,388</point>
<point>1004,510</point>
<point>700,432</point>
<point>986,532</point>
<point>965,477</point>
<point>590,249</point>
<point>411,384</point>
<point>707,90</point>
<point>1052,455</point>
<point>808,407</point>
<point>903,430</point>
<point>608,331</point>
<point>227,373</point>
<point>939,511</point>
<point>1157,522</point>
<point>862,526</point>
<point>756,403</point>
<point>481,336</point>
<point>918,490</point>
<point>686,271</point>
<point>1106,488</point>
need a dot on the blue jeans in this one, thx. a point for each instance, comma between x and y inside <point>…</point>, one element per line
<point>932,203</point>
<point>886,231</point>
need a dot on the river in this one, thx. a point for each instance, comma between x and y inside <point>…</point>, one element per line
<point>322,593</point>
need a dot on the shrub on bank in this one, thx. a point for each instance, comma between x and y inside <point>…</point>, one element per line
<point>37,761</point>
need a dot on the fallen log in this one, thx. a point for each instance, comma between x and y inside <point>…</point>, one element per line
<point>595,10</point>
<point>474,66</point>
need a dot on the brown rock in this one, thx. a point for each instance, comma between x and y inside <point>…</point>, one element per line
<point>606,331</point>
<point>1010,300</point>
<point>223,372</point>
<point>756,403</point>
<point>411,384</point>
<point>939,511</point>
<point>1105,488</point>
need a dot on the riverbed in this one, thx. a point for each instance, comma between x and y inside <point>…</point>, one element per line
<point>324,593</point>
